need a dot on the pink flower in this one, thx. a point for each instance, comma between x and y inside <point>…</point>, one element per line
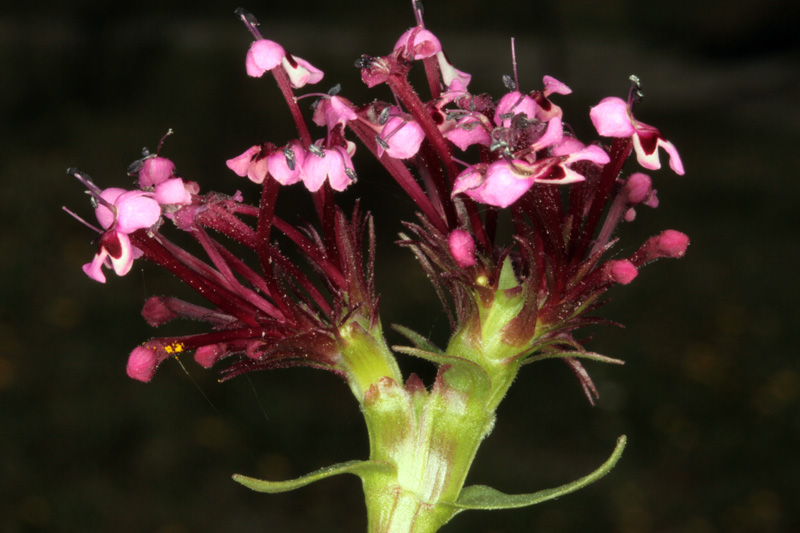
<point>333,164</point>
<point>468,131</point>
<point>265,55</point>
<point>121,213</point>
<point>504,182</point>
<point>332,111</point>
<point>612,117</point>
<point>172,192</point>
<point>262,56</point>
<point>300,71</point>
<point>252,164</point>
<point>417,43</point>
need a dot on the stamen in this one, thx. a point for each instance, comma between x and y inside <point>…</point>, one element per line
<point>250,21</point>
<point>161,143</point>
<point>514,62</point>
<point>81,220</point>
<point>635,95</point>
<point>364,61</point>
<point>316,150</point>
<point>288,153</point>
<point>418,11</point>
<point>384,116</point>
<point>93,190</point>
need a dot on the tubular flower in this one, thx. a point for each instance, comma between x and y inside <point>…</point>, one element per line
<point>265,55</point>
<point>612,117</point>
<point>121,213</point>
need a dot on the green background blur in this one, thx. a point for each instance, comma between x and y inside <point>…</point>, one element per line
<point>709,394</point>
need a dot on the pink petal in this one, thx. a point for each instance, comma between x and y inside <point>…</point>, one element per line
<point>418,43</point>
<point>551,136</point>
<point>278,165</point>
<point>172,191</point>
<point>404,138</point>
<point>674,159</point>
<point>122,262</point>
<point>567,145</point>
<point>136,210</point>
<point>502,186</point>
<point>154,171</point>
<point>610,118</point>
<point>338,177</point>
<point>301,72</point>
<point>241,163</point>
<point>592,153</point>
<point>332,111</point>
<point>257,172</point>
<point>94,269</point>
<point>316,168</point>
<point>262,56</point>
<point>648,161</point>
<point>105,216</point>
<point>467,132</point>
<point>514,103</point>
<point>552,85</point>
<point>451,75</point>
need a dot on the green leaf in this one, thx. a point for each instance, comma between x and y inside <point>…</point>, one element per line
<point>481,497</point>
<point>359,468</point>
<point>419,341</point>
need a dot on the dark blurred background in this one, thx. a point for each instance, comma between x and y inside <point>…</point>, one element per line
<point>709,394</point>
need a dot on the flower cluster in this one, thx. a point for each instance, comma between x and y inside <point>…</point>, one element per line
<point>529,163</point>
<point>472,164</point>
